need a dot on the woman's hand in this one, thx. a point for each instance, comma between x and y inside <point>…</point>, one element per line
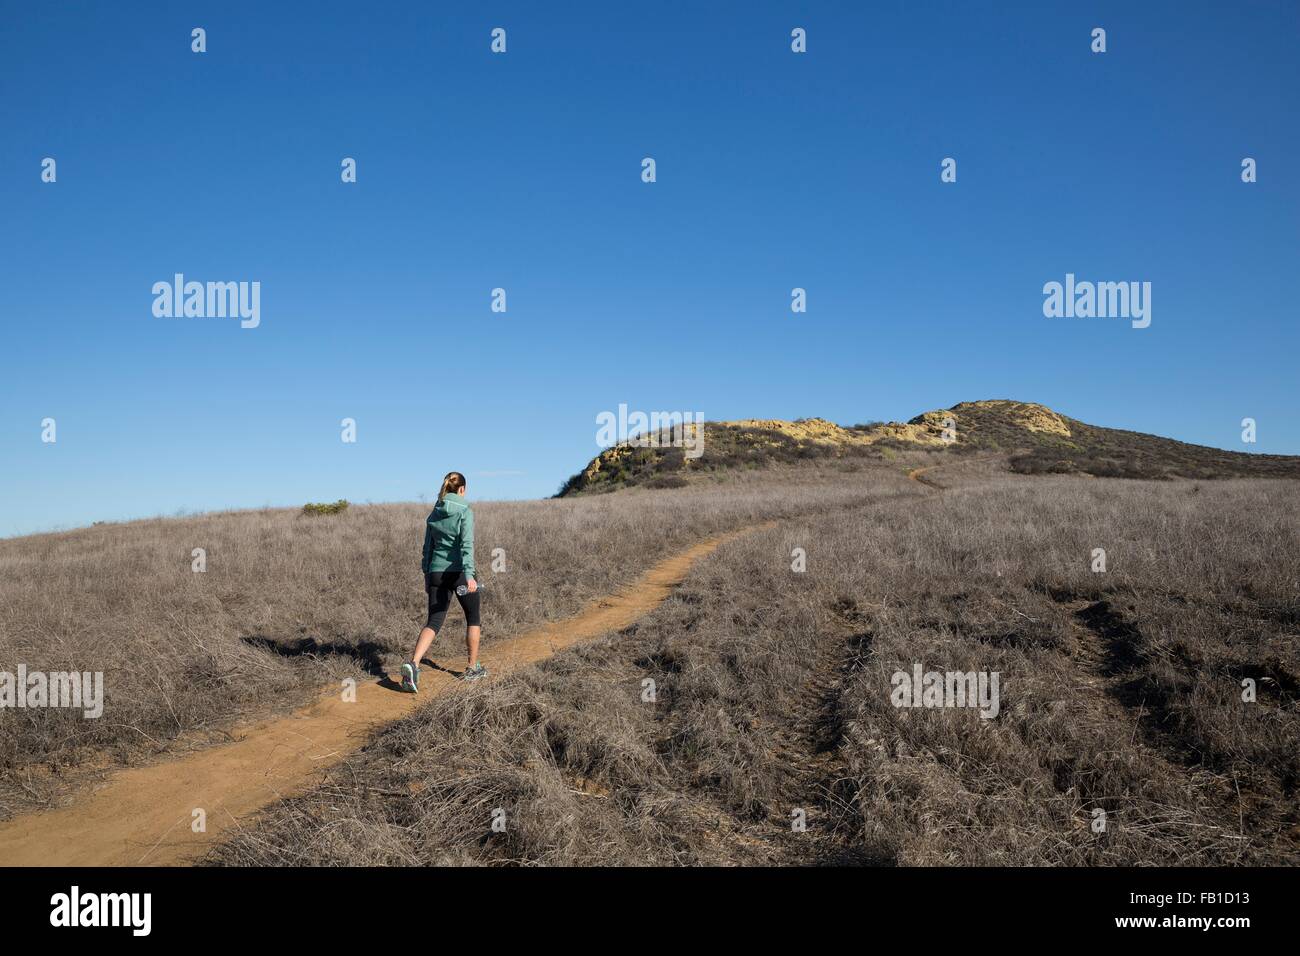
<point>471,585</point>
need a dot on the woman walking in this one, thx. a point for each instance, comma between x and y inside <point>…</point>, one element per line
<point>448,566</point>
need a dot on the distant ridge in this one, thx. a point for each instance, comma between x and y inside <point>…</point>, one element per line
<point>1035,439</point>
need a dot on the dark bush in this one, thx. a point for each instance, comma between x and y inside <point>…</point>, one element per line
<point>314,508</point>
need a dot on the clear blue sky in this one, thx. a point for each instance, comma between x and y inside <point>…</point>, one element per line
<point>522,171</point>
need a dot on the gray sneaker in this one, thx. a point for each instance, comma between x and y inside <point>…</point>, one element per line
<point>477,672</point>
<point>411,678</point>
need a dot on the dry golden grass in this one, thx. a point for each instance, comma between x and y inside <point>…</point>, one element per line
<point>289,602</point>
<point>1120,692</point>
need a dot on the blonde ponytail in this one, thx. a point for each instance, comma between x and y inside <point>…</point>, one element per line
<point>454,481</point>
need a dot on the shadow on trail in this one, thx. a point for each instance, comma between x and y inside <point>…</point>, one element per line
<point>367,654</point>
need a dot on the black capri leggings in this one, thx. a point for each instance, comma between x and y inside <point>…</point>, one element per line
<point>441,585</point>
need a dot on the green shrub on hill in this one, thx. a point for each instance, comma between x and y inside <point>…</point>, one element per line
<point>315,508</point>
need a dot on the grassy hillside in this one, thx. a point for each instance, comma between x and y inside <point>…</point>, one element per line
<point>1033,438</point>
<point>288,603</point>
<point>1121,695</point>
<point>1121,689</point>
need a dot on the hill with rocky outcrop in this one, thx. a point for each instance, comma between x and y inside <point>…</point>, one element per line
<point>1034,438</point>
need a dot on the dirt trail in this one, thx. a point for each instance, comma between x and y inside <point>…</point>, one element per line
<point>918,474</point>
<point>143,815</point>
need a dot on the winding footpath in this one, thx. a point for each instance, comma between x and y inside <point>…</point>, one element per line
<point>144,816</point>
